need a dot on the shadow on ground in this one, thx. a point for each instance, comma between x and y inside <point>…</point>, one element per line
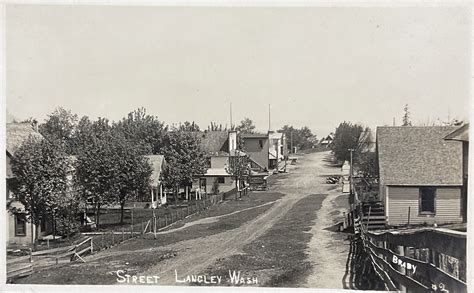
<point>360,273</point>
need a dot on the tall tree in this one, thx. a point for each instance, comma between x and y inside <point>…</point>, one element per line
<point>406,116</point>
<point>133,171</point>
<point>246,126</point>
<point>60,125</point>
<point>302,138</point>
<point>144,130</point>
<point>349,136</point>
<point>40,168</point>
<point>96,171</point>
<point>184,158</point>
<point>188,126</point>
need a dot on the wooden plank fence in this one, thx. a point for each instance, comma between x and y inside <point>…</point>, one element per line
<point>392,253</point>
<point>96,241</point>
<point>24,265</point>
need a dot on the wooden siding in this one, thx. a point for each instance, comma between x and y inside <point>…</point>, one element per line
<point>399,198</point>
<point>257,153</point>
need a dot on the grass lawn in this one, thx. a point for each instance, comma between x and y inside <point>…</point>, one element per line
<point>275,260</point>
<point>135,255</point>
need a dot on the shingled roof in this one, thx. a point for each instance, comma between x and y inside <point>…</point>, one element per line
<point>418,156</point>
<point>17,134</point>
<point>460,134</point>
<point>213,142</point>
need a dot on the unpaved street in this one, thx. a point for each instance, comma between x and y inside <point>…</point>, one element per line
<point>327,254</point>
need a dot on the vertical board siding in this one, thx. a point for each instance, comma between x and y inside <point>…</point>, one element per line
<point>448,206</point>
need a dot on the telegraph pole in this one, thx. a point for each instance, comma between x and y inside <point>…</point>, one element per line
<point>269,124</point>
<point>350,175</point>
<point>231,128</point>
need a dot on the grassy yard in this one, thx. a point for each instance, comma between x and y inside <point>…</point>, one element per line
<point>139,254</point>
<point>277,261</point>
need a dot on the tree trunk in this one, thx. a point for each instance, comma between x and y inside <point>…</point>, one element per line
<point>97,215</point>
<point>122,205</point>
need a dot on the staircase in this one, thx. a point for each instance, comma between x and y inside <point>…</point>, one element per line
<point>373,215</point>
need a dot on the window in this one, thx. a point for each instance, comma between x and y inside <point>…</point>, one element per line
<point>20,225</point>
<point>220,179</point>
<point>260,142</point>
<point>427,200</point>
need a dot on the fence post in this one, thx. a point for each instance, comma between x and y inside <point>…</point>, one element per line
<point>141,230</point>
<point>409,215</point>
<point>401,252</point>
<point>31,255</point>
<point>113,238</point>
<point>92,246</point>
<point>102,239</point>
<point>123,234</point>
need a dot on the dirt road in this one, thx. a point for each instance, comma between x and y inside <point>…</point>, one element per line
<point>302,180</point>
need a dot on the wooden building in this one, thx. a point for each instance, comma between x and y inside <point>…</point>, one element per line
<point>256,146</point>
<point>19,228</point>
<point>421,175</point>
<point>461,135</point>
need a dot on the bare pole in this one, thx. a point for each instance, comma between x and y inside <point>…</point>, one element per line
<point>269,120</point>
<point>231,116</point>
<point>350,175</point>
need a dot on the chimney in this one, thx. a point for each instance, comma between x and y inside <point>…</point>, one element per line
<point>232,141</point>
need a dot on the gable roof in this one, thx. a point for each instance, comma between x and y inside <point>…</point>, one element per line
<point>410,155</point>
<point>254,135</point>
<point>17,134</point>
<point>213,141</point>
<point>460,134</point>
<point>157,163</point>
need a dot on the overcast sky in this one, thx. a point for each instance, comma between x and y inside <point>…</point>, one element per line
<point>315,66</point>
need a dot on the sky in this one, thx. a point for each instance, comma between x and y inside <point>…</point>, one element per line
<point>316,66</point>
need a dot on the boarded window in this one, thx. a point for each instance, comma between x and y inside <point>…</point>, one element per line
<point>221,179</point>
<point>20,225</point>
<point>427,200</point>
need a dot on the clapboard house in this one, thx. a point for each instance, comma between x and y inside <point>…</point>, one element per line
<point>19,228</point>
<point>421,175</point>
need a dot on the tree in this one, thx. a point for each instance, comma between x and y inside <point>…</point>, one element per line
<point>302,138</point>
<point>368,164</point>
<point>188,126</point>
<point>349,136</point>
<point>238,167</point>
<point>246,126</point>
<point>184,158</point>
<point>40,169</point>
<point>144,130</point>
<point>96,170</point>
<point>406,116</point>
<point>60,126</point>
<point>133,171</point>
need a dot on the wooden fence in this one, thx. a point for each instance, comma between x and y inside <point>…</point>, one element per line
<point>418,259</point>
<point>23,266</point>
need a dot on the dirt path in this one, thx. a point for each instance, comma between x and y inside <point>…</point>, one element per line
<point>196,255</point>
<point>328,249</point>
<point>210,220</point>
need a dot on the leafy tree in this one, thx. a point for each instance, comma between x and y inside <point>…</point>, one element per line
<point>406,116</point>
<point>133,171</point>
<point>188,126</point>
<point>40,168</point>
<point>303,138</point>
<point>238,167</point>
<point>368,164</point>
<point>60,125</point>
<point>144,130</point>
<point>96,170</point>
<point>184,158</point>
<point>246,126</point>
<point>349,136</point>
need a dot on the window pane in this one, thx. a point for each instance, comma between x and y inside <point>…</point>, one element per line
<point>427,200</point>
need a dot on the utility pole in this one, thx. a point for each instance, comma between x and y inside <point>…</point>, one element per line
<point>269,124</point>
<point>231,128</point>
<point>350,175</point>
<point>291,141</point>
